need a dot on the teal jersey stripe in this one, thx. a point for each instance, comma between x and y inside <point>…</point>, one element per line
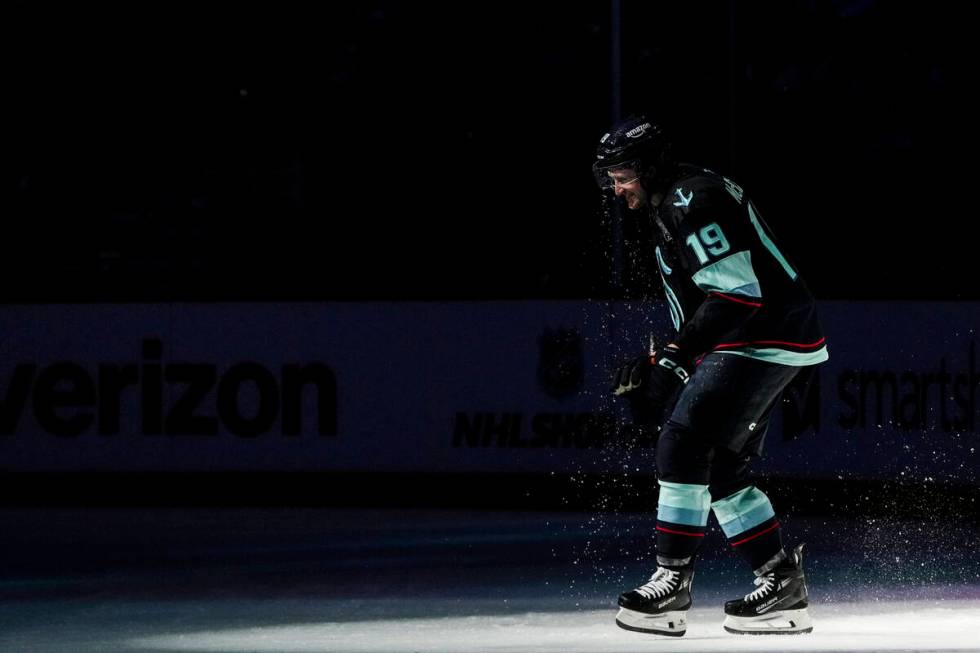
<point>676,312</point>
<point>660,259</point>
<point>732,274</point>
<point>751,290</point>
<point>771,246</point>
<point>779,356</point>
<point>743,510</point>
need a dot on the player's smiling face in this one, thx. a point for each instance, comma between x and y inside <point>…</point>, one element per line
<point>626,184</point>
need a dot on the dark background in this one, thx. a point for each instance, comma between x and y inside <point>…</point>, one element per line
<point>387,150</point>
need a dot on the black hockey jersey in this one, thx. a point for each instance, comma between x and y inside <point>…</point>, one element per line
<point>729,287</point>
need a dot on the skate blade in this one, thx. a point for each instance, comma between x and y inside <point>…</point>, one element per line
<point>672,624</point>
<point>780,622</point>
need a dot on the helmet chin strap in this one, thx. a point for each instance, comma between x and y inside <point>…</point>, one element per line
<point>664,234</point>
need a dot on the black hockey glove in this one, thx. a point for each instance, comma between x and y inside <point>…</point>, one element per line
<point>650,383</point>
<point>632,375</point>
<point>663,371</point>
<point>671,370</point>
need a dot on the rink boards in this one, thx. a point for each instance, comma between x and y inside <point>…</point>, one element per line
<point>490,387</point>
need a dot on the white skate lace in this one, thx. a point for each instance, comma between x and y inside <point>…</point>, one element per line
<point>661,583</point>
<point>765,585</point>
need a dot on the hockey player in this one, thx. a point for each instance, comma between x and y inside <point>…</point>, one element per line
<point>745,327</point>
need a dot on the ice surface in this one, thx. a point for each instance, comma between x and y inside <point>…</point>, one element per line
<point>921,626</point>
<point>86,581</point>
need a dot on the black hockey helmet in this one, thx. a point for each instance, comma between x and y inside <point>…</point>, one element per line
<point>636,143</point>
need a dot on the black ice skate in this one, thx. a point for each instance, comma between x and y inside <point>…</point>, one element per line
<point>660,605</point>
<point>778,606</point>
